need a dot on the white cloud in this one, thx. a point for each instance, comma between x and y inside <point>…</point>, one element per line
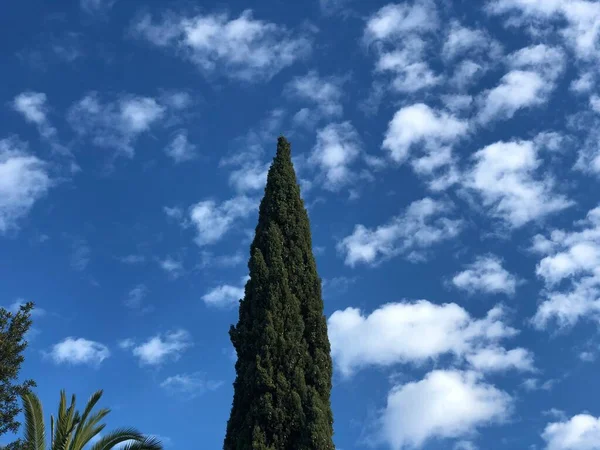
<point>126,344</point>
<point>338,146</point>
<point>504,175</point>
<point>225,296</point>
<point>115,124</point>
<point>79,351</point>
<point>418,124</point>
<point>95,6</point>
<point>190,385</point>
<point>445,404</point>
<point>548,61</point>
<point>411,74</point>
<point>422,225</point>
<point>250,169</point>
<point>495,359</point>
<point>462,40</point>
<point>572,257</point>
<point>399,34</point>
<point>584,84</point>
<point>250,177</point>
<point>324,92</point>
<point>242,48</point>
<point>212,220</point>
<point>581,29</point>
<point>487,275</point>
<point>180,149</point>
<point>24,179</point>
<point>159,349</point>
<point>464,445</point>
<point>80,254</point>
<point>532,79</point>
<point>136,296</point>
<point>396,20</point>
<point>580,432</point>
<point>517,89</point>
<point>466,73</point>
<point>33,107</point>
<point>430,134</point>
<point>416,332</point>
<point>457,102</point>
<point>174,267</point>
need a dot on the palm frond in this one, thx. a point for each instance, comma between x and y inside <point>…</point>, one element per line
<point>85,429</point>
<point>118,436</point>
<point>35,435</point>
<point>148,443</point>
<point>65,423</point>
<point>86,436</point>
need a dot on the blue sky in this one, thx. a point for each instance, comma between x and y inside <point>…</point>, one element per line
<point>448,154</point>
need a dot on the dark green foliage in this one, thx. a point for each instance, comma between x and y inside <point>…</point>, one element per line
<point>283,384</point>
<point>13,327</point>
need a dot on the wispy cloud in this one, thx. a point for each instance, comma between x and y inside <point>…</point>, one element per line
<point>189,385</point>
<point>162,348</point>
<point>25,180</point>
<point>422,225</point>
<point>242,48</point>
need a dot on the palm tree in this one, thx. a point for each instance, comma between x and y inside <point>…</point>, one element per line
<point>73,431</point>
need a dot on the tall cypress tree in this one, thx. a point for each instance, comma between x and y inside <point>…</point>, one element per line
<point>283,373</point>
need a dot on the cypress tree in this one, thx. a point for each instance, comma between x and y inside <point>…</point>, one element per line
<point>283,372</point>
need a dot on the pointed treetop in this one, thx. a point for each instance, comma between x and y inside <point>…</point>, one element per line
<point>284,149</point>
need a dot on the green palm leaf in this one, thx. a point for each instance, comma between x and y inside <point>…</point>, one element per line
<point>87,429</point>
<point>117,437</point>
<point>66,422</point>
<point>149,443</point>
<point>35,435</point>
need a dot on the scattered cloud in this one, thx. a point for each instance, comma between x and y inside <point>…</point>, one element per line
<point>580,432</point>
<point>173,267</point>
<point>225,296</point>
<point>80,254</point>
<point>414,332</point>
<point>96,6</point>
<point>529,83</point>
<point>135,298</point>
<point>33,106</point>
<point>132,259</point>
<point>79,351</point>
<point>486,275</point>
<point>498,359</point>
<point>323,93</point>
<point>242,48</point>
<point>162,348</point>
<point>462,41</point>
<point>573,259</point>
<point>115,124</point>
<point>580,27</point>
<point>422,225</point>
<point>338,146</point>
<point>398,32</point>
<point>418,124</point>
<point>250,167</point>
<point>212,221</point>
<point>504,176</point>
<point>126,344</point>
<point>24,180</point>
<point>431,133</point>
<point>189,385</point>
<point>180,149</point>
<point>445,404</point>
